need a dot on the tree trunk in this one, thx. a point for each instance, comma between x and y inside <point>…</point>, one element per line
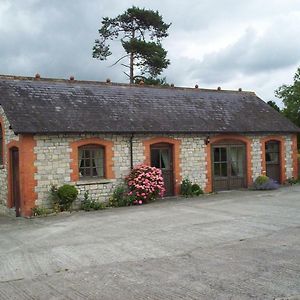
<point>131,68</point>
<point>131,64</point>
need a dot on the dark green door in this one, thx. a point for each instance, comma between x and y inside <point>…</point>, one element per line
<point>162,158</point>
<point>228,167</point>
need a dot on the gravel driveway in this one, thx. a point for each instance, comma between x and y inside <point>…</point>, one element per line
<point>233,245</point>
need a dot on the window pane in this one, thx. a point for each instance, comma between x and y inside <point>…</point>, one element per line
<point>224,169</point>
<point>223,154</point>
<point>216,154</point>
<point>217,169</point>
<point>165,159</point>
<point>91,162</point>
<point>155,158</point>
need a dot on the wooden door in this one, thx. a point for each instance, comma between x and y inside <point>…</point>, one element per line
<point>15,180</point>
<point>162,158</point>
<point>228,167</point>
<point>272,160</point>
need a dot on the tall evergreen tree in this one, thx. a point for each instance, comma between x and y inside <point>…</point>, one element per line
<point>140,32</point>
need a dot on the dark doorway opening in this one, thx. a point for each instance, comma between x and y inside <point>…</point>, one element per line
<point>15,180</point>
<point>162,158</point>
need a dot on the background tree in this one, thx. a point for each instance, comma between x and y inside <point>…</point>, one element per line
<point>140,32</point>
<point>274,105</point>
<point>290,95</point>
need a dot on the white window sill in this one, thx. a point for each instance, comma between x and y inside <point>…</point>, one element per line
<point>93,181</point>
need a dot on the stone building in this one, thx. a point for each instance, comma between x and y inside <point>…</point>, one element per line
<point>91,134</point>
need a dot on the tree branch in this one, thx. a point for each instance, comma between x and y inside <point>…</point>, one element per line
<point>119,60</point>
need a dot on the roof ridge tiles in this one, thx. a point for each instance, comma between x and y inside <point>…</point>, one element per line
<point>103,83</point>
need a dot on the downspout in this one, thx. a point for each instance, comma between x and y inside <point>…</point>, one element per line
<point>131,152</point>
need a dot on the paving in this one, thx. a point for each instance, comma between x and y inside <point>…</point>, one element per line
<point>232,245</point>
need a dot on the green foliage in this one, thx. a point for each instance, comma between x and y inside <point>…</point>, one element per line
<point>262,179</point>
<point>133,28</point>
<point>196,189</point>
<point>40,211</point>
<point>89,204</point>
<point>263,182</point>
<point>290,95</point>
<point>151,80</point>
<point>64,196</point>
<point>186,188</point>
<point>120,197</point>
<point>274,105</point>
<point>292,180</point>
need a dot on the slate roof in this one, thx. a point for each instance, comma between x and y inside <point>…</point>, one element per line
<point>63,106</point>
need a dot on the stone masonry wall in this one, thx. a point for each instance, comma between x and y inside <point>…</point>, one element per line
<point>8,137</point>
<point>53,161</point>
<point>53,165</point>
<point>256,153</point>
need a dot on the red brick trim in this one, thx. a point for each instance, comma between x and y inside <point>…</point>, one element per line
<point>27,170</point>
<point>221,138</point>
<point>295,156</point>
<point>3,140</point>
<point>108,156</point>
<point>176,157</point>
<point>281,141</point>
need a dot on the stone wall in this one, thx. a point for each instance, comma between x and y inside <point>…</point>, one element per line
<point>53,161</point>
<point>53,165</point>
<point>288,157</point>
<point>256,153</point>
<point>8,137</point>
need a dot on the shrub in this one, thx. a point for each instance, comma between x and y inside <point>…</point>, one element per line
<point>40,211</point>
<point>119,197</point>
<point>265,183</point>
<point>89,204</point>
<point>66,195</point>
<point>196,189</point>
<point>186,188</point>
<point>292,181</point>
<point>145,184</point>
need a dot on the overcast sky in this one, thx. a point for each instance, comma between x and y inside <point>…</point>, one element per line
<point>229,43</point>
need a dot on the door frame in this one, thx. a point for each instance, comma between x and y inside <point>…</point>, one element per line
<point>228,144</point>
<point>176,144</point>
<point>170,147</point>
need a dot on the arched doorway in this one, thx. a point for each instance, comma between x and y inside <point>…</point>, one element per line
<point>161,156</point>
<point>272,156</point>
<point>15,180</point>
<point>229,168</point>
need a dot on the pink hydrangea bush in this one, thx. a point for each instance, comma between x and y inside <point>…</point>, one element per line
<point>145,184</point>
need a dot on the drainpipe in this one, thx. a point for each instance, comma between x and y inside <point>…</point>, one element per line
<point>131,151</point>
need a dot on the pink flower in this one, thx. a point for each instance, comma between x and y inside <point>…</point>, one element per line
<point>140,202</point>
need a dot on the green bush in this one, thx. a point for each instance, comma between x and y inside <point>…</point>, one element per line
<point>40,211</point>
<point>120,197</point>
<point>262,179</point>
<point>89,204</point>
<point>186,188</point>
<point>196,189</point>
<point>66,195</point>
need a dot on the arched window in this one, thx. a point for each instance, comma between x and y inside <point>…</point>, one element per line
<point>1,146</point>
<point>91,161</point>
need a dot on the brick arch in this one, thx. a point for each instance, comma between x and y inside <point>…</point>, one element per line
<point>219,138</point>
<point>108,156</point>
<point>176,157</point>
<point>281,141</point>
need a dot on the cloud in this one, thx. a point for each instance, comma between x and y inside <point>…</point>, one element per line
<point>253,53</point>
<point>229,43</point>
